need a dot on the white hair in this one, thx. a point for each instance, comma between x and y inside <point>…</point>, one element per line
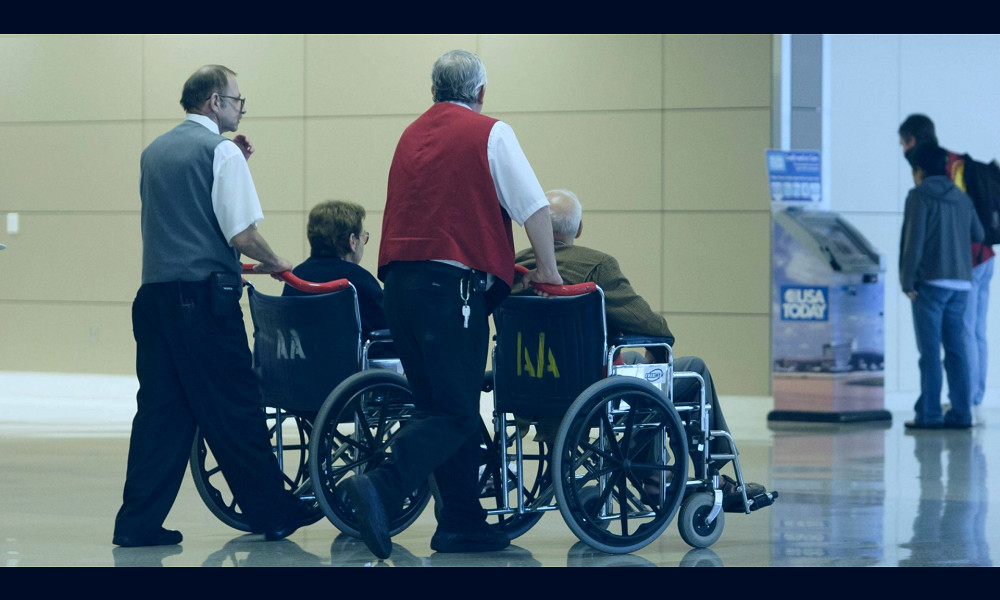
<point>566,218</point>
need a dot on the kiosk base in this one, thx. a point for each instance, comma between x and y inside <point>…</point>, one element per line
<point>850,416</point>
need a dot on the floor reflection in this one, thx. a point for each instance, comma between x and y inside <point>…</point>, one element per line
<point>851,495</point>
<point>832,483</point>
<point>950,524</point>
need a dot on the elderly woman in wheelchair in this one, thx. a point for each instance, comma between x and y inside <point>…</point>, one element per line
<point>337,240</point>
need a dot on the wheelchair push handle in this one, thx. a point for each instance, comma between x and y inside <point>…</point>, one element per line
<point>559,290</point>
<point>309,287</point>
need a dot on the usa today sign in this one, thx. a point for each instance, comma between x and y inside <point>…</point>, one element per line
<point>804,303</point>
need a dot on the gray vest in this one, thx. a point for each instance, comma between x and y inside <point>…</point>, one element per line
<point>181,238</point>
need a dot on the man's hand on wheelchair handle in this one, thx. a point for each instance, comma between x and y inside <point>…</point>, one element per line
<point>538,276</point>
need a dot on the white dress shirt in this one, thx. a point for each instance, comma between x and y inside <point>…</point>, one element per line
<point>234,196</point>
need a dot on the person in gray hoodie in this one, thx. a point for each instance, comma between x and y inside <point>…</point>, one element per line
<point>935,272</point>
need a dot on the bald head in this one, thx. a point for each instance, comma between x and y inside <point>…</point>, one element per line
<point>566,213</point>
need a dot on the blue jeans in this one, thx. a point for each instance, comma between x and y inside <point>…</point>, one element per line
<point>939,319</point>
<point>975,324</point>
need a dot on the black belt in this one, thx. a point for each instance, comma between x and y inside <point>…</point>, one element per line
<point>478,278</point>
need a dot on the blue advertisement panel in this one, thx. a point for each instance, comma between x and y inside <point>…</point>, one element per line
<point>827,336</point>
<point>794,176</point>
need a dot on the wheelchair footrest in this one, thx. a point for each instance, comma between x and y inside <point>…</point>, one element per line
<point>762,501</point>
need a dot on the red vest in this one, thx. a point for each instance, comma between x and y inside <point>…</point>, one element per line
<point>442,203</point>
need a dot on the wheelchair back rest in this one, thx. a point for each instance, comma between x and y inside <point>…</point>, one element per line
<point>547,351</point>
<point>304,346</point>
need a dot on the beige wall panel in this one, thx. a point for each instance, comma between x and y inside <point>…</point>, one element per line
<point>70,77</point>
<point>72,257</point>
<point>717,262</point>
<point>716,70</point>
<point>571,72</point>
<point>72,338</point>
<point>278,162</point>
<point>348,158</point>
<point>270,70</point>
<point>70,166</point>
<point>366,74</point>
<point>736,349</point>
<point>611,160</point>
<point>714,159</point>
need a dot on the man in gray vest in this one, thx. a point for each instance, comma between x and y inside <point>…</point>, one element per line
<point>199,213</point>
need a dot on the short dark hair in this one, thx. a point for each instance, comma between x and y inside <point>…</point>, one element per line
<point>331,224</point>
<point>930,158</point>
<point>920,128</point>
<point>204,82</point>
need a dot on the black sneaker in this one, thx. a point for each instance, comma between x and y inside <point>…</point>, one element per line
<point>485,540</point>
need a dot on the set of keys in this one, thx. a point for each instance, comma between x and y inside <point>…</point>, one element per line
<point>464,290</point>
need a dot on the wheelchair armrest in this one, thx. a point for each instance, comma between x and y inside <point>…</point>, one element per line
<point>641,340</point>
<point>380,335</point>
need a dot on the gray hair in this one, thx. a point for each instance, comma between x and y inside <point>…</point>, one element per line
<point>566,212</point>
<point>458,76</point>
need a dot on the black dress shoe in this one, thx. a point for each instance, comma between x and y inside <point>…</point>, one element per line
<point>485,540</point>
<point>164,537</point>
<point>280,533</point>
<point>373,521</point>
<point>732,498</point>
<point>303,514</point>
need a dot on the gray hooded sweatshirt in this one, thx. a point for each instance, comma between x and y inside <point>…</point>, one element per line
<point>939,226</point>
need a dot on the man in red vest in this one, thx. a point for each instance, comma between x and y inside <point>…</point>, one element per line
<point>446,257</point>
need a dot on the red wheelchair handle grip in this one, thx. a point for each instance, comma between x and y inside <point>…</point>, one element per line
<point>309,287</point>
<point>559,290</point>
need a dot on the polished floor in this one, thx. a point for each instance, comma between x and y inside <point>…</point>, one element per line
<point>851,495</point>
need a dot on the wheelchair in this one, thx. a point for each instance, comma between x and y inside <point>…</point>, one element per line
<point>612,447</point>
<point>332,403</point>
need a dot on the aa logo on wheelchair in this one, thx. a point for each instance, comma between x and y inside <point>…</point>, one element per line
<point>544,361</point>
<point>291,349</point>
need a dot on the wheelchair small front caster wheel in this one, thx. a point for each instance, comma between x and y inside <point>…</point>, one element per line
<point>693,524</point>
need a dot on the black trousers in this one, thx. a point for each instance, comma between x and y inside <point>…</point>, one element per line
<point>194,368</point>
<point>444,363</point>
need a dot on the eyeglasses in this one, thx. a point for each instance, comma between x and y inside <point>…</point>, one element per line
<point>242,101</point>
<point>365,237</point>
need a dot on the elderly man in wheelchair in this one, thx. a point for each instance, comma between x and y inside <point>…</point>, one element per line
<point>641,346</point>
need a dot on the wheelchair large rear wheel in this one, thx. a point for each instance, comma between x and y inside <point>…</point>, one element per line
<point>290,444</point>
<point>352,435</point>
<point>621,437</point>
<point>532,487</point>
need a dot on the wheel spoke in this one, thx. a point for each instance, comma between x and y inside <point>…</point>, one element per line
<point>621,434</point>
<point>354,430</point>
